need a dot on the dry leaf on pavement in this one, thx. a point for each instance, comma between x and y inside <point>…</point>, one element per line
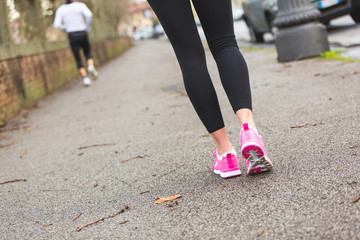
<point>161,200</point>
<point>29,129</point>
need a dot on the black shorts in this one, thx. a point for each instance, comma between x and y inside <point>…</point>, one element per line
<point>79,40</point>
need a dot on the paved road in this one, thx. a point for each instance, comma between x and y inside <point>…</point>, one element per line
<point>139,107</point>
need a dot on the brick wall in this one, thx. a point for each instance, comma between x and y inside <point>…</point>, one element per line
<point>25,79</point>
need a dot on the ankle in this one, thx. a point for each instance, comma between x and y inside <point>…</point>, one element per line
<point>225,149</point>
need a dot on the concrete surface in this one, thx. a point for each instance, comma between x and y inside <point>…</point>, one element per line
<point>138,105</point>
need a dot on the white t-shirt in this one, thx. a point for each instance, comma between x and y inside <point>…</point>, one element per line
<point>73,17</point>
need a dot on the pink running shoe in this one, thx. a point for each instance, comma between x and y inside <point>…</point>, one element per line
<point>226,165</point>
<point>253,151</point>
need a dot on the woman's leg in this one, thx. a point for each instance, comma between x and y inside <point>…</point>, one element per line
<point>178,22</point>
<point>217,21</point>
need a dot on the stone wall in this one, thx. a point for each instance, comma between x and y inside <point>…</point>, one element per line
<point>31,71</point>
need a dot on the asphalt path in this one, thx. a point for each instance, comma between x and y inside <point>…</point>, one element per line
<point>133,137</point>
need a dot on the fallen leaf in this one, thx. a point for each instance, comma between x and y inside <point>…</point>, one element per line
<point>29,129</point>
<point>161,200</point>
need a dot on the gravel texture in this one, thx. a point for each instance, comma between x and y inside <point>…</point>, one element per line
<point>139,107</point>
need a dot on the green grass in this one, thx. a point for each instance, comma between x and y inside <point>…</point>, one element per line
<point>251,48</point>
<point>335,55</point>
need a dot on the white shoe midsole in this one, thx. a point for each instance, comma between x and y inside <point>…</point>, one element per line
<point>230,174</point>
<point>251,144</point>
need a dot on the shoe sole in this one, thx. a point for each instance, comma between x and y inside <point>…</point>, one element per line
<point>246,148</point>
<point>258,164</point>
<point>94,75</point>
<point>228,174</point>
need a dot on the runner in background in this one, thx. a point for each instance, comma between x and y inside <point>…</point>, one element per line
<point>75,18</point>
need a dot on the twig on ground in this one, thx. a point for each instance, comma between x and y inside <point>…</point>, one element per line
<point>15,180</point>
<point>47,225</point>
<point>304,125</point>
<point>357,199</point>
<point>146,155</point>
<point>124,222</point>
<point>102,219</point>
<point>299,126</point>
<point>261,232</point>
<point>145,192</point>
<point>97,145</point>
<point>77,217</point>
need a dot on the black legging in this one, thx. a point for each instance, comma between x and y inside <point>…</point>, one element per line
<point>79,40</point>
<point>216,18</point>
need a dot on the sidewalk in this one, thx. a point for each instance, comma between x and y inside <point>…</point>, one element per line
<point>133,137</point>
